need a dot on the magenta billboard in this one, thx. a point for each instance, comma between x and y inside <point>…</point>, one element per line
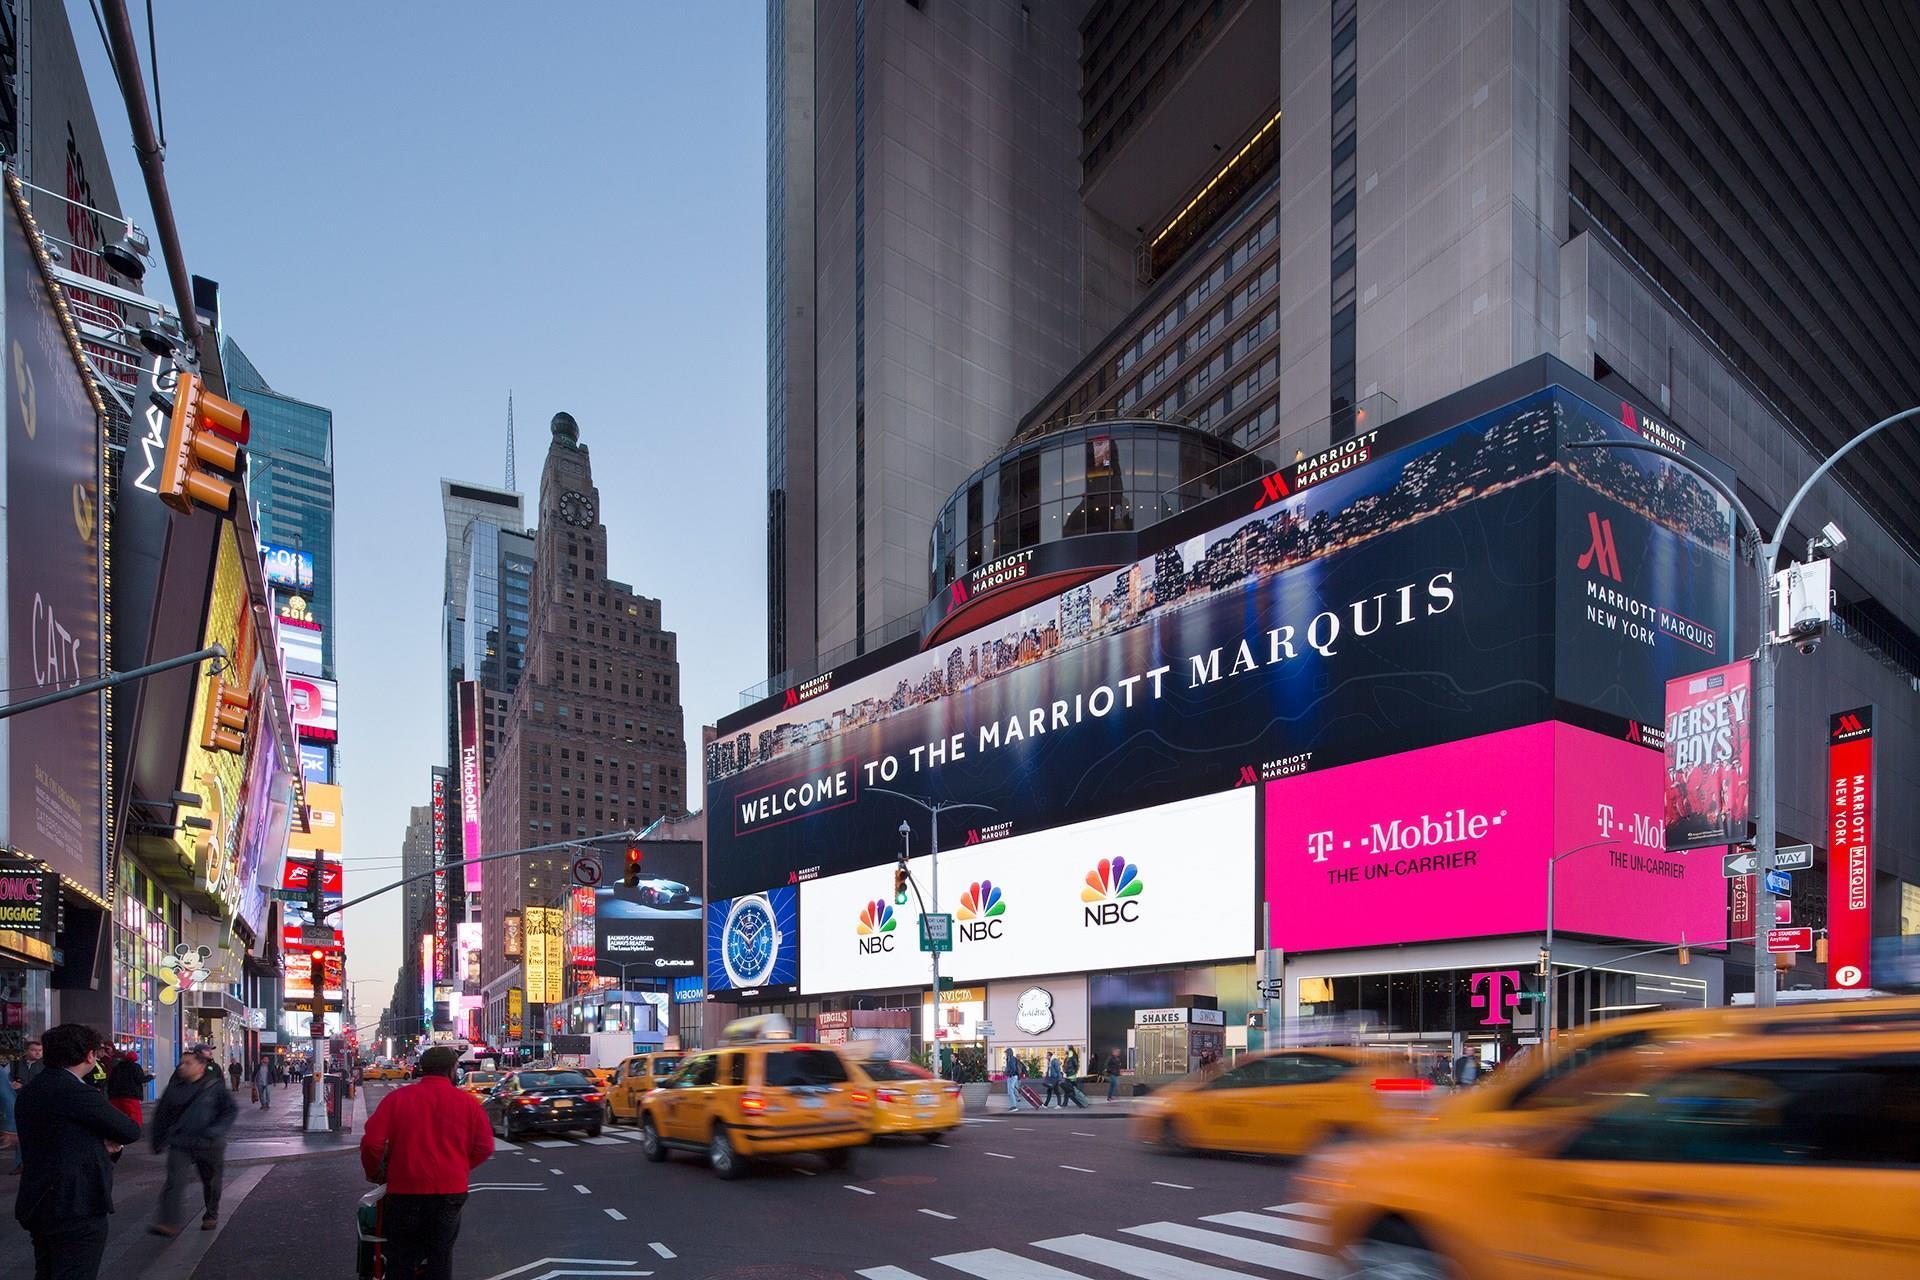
<point>1453,841</point>
<point>470,781</point>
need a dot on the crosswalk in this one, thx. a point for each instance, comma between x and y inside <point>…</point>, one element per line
<point>1279,1240</point>
<point>607,1138</point>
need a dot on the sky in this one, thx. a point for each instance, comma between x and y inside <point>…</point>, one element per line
<point>413,209</point>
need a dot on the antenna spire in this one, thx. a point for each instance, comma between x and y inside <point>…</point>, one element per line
<point>510,483</point>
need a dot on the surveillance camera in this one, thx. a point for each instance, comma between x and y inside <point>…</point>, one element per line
<point>1809,644</point>
<point>1831,532</point>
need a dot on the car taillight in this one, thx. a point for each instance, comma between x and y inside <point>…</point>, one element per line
<point>595,1097</point>
<point>752,1103</point>
<point>1401,1084</point>
<point>888,1095</point>
<point>527,1102</point>
<point>954,1089</point>
<point>862,1096</point>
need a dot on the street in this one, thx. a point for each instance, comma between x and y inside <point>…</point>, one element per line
<point>1039,1196</point>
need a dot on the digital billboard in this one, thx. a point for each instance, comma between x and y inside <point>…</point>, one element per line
<point>753,944</point>
<point>326,821</point>
<point>1709,746</point>
<point>1157,886</point>
<point>442,938</point>
<point>314,704</point>
<point>1452,841</point>
<point>266,817</point>
<point>301,646</point>
<point>656,926</point>
<point>299,980</point>
<point>471,782</point>
<point>53,579</point>
<point>1850,782</point>
<point>534,963</point>
<point>1432,594</point>
<point>299,873</point>
<point>580,930</point>
<point>316,762</point>
<point>286,567</point>
<point>466,952</point>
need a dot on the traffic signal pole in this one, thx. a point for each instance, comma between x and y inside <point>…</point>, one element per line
<point>113,678</point>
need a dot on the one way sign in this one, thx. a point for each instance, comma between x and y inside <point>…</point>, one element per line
<point>1741,863</point>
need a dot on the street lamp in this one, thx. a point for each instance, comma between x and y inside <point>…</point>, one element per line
<point>934,809</point>
<point>1764,657</point>
<point>1546,952</point>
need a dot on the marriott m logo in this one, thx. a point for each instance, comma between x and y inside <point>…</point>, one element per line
<point>959,592</point>
<point>1272,489</point>
<point>1849,723</point>
<point>1601,555</point>
<point>792,699</point>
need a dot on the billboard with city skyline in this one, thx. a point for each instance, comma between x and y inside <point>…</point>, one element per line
<point>1434,593</point>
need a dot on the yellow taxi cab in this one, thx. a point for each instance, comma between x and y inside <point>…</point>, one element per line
<point>480,1083</point>
<point>903,1098</point>
<point>385,1071</point>
<point>1785,1155</point>
<point>1282,1102</point>
<point>759,1094</point>
<point>1528,1083</point>
<point>634,1078</point>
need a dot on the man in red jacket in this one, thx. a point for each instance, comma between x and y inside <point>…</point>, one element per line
<point>422,1141</point>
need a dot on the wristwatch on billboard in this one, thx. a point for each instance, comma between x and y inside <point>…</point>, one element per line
<point>750,941</point>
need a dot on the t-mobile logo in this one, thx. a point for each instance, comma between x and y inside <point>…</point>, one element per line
<point>1319,844</point>
<point>1603,818</point>
<point>1495,992</point>
<point>1601,554</point>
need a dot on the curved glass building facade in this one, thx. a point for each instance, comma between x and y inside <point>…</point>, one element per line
<point>1107,477</point>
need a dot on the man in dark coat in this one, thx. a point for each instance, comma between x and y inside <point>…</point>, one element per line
<point>191,1125</point>
<point>69,1137</point>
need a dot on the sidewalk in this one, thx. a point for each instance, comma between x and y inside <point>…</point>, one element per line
<point>275,1133</point>
<point>1097,1108</point>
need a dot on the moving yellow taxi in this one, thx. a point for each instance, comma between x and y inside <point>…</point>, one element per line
<point>901,1098</point>
<point>749,1100</point>
<point>1782,1155</point>
<point>482,1083</point>
<point>634,1078</point>
<point>1281,1102</point>
<point>385,1071</point>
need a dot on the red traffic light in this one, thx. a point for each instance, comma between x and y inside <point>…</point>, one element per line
<point>634,856</point>
<point>203,437</point>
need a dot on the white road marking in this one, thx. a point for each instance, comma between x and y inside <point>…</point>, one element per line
<point>1302,1208</point>
<point>616,1215</point>
<point>1023,1128</point>
<point>1239,1248</point>
<point>595,1262</point>
<point>862,1190</point>
<point>1076,1133</point>
<point>661,1249</point>
<point>935,1213</point>
<point>501,1144</point>
<point>808,1172</point>
<point>997,1156</point>
<point>1292,1228</point>
<point>553,1142</point>
<point>601,1141</point>
<point>998,1264</point>
<point>942,1145</point>
<point>631,1135</point>
<point>585,1191</point>
<point>1076,1168</point>
<point>1147,1264</point>
<point>1177,1186</point>
<point>562,1173</point>
<point>886,1273</point>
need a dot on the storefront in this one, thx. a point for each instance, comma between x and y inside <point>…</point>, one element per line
<point>146,930</point>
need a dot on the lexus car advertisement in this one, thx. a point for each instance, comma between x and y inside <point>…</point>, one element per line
<point>652,927</point>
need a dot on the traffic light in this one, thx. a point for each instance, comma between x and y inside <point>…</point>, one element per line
<point>900,882</point>
<point>227,709</point>
<point>634,856</point>
<point>203,438</point>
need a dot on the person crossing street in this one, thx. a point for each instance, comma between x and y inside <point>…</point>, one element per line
<point>191,1125</point>
<point>422,1141</point>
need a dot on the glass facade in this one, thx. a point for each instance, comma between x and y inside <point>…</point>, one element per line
<point>146,929</point>
<point>1112,477</point>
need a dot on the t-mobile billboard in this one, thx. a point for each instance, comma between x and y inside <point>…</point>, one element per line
<point>1453,842</point>
<point>1429,595</point>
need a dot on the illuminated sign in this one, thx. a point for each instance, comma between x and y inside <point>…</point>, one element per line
<point>314,704</point>
<point>470,779</point>
<point>316,762</point>
<point>300,643</point>
<point>510,935</point>
<point>466,951</point>
<point>441,957</point>
<point>286,567</point>
<point>29,899</point>
<point>326,821</point>
<point>1709,736</point>
<point>1850,847</point>
<point>516,1012</point>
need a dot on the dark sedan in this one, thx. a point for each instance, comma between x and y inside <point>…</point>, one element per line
<point>546,1102</point>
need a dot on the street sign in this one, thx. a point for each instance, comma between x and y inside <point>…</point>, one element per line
<point>936,932</point>
<point>586,872</point>
<point>1783,911</point>
<point>290,895</point>
<point>317,1029</point>
<point>316,935</point>
<point>1741,862</point>
<point>1779,940</point>
<point>1779,882</point>
<point>984,1030</point>
<point>1794,857</point>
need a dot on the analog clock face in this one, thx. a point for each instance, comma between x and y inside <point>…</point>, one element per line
<point>750,942</point>
<point>576,508</point>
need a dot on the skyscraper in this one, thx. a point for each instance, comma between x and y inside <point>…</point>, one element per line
<point>416,856</point>
<point>593,740</point>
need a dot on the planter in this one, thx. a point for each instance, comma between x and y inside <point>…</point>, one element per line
<point>973,1097</point>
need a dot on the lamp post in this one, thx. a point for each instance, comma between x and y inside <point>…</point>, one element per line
<point>1765,656</point>
<point>934,809</point>
<point>1547,1011</point>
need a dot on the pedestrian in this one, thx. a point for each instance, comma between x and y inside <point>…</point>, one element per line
<point>25,1068</point>
<point>191,1125</point>
<point>127,1085</point>
<point>262,1083</point>
<point>1114,1068</point>
<point>9,1141</point>
<point>1054,1077</point>
<point>422,1141</point>
<point>69,1138</point>
<point>1073,1062</point>
<point>234,1074</point>
<point>1013,1080</point>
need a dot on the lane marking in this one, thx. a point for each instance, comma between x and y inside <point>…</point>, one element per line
<point>1292,1228</point>
<point>596,1262</point>
<point>560,1172</point>
<point>1177,1186</point>
<point>1239,1248</point>
<point>886,1273</point>
<point>1076,1168</point>
<point>1147,1264</point>
<point>661,1249</point>
<point>997,1156</point>
<point>942,1145</point>
<point>1023,1128</point>
<point>582,1190</point>
<point>1076,1133</point>
<point>553,1142</point>
<point>935,1213</point>
<point>601,1141</point>
<point>862,1190</point>
<point>1302,1209</point>
<point>811,1173</point>
<point>998,1264</point>
<point>616,1215</point>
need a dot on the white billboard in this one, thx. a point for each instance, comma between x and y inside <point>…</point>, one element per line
<point>1166,885</point>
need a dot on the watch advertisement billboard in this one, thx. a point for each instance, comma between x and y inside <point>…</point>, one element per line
<point>753,944</point>
<point>1427,596</point>
<point>53,579</point>
<point>471,781</point>
<point>1453,841</point>
<point>1157,886</point>
<point>1850,784</point>
<point>1709,743</point>
<point>655,926</point>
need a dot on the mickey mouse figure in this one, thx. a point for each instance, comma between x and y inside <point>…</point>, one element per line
<point>183,969</point>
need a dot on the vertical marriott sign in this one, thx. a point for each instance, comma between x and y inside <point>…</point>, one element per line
<point>1849,846</point>
<point>440,966</point>
<point>470,765</point>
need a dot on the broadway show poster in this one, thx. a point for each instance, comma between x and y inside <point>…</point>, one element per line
<point>1709,731</point>
<point>53,580</point>
<point>1404,603</point>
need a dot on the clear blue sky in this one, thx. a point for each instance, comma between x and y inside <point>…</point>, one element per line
<point>412,208</point>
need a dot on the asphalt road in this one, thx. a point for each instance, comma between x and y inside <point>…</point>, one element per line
<point>1019,1198</point>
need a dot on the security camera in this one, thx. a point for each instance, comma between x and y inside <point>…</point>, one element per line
<point>1808,645</point>
<point>1831,532</point>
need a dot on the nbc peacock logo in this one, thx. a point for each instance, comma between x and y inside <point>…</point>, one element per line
<point>1112,893</point>
<point>982,910</point>
<point>874,932</point>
